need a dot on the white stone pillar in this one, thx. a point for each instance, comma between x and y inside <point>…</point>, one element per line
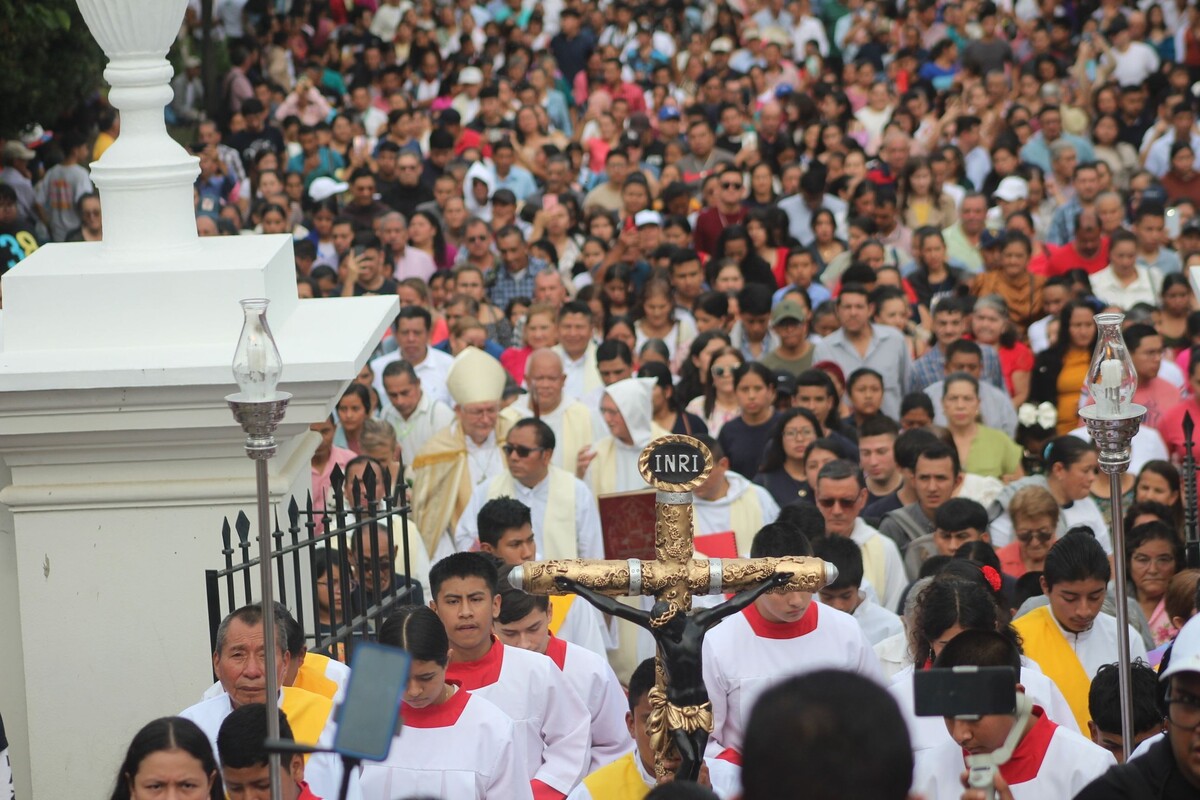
<point>118,455</point>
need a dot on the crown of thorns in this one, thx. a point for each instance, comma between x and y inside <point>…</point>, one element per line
<point>665,617</point>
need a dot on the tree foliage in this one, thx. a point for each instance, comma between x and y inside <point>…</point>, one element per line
<point>49,61</point>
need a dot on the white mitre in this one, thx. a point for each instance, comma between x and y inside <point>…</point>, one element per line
<point>475,377</point>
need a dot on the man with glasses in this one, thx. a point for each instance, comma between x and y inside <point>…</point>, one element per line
<point>725,211</point>
<point>516,278</point>
<point>1170,767</point>
<point>841,495</point>
<point>462,456</point>
<point>1069,638</point>
<point>568,527</point>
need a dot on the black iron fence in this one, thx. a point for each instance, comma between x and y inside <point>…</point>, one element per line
<point>337,565</point>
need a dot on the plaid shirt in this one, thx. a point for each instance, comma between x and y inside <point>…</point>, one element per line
<point>931,368</point>
<point>506,288</point>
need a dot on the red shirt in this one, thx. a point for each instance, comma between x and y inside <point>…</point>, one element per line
<point>1067,257</point>
<point>709,225</point>
<point>1018,358</point>
<point>1171,425</point>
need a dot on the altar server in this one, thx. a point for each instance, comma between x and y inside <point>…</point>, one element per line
<point>551,720</point>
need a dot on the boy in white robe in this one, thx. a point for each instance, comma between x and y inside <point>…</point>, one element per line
<point>1048,762</point>
<point>777,636</point>
<point>846,594</point>
<point>506,531</point>
<point>548,714</point>
<point>523,622</point>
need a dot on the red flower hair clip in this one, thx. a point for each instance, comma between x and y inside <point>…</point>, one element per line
<point>992,577</point>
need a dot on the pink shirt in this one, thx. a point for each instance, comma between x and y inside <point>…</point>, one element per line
<point>321,481</point>
<point>1158,397</point>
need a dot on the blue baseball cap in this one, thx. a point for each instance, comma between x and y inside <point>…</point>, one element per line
<point>668,112</point>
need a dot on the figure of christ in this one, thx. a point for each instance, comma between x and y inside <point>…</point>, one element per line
<point>682,714</point>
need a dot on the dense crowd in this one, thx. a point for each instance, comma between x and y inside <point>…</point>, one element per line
<point>854,247</point>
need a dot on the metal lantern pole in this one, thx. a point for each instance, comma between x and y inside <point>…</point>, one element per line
<point>259,409</point>
<point>1112,422</point>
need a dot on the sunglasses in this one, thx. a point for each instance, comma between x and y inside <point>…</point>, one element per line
<point>731,186</point>
<point>721,372</point>
<point>841,502</point>
<point>1025,537</point>
<point>521,450</point>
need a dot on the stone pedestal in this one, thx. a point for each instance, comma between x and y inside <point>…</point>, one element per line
<point>119,460</point>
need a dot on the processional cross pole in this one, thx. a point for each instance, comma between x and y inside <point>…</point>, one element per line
<point>682,715</point>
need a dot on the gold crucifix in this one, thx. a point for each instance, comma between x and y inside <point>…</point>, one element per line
<point>682,717</point>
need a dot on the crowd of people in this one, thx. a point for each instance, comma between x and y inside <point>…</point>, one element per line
<point>855,248</point>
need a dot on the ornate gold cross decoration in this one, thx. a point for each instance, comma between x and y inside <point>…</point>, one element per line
<point>675,466</point>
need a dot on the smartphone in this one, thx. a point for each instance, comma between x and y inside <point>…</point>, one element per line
<point>965,692</point>
<point>549,201</point>
<point>1174,223</point>
<point>360,145</point>
<point>369,716</point>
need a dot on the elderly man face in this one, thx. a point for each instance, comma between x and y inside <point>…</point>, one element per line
<point>240,663</point>
<point>545,377</point>
<point>548,288</point>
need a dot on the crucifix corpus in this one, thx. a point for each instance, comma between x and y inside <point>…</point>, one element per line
<point>682,714</point>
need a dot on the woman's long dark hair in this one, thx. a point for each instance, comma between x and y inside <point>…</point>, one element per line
<point>1064,324</point>
<point>168,733</point>
<point>710,391</point>
<point>774,458</point>
<point>439,236</point>
<point>952,599</point>
<point>690,384</point>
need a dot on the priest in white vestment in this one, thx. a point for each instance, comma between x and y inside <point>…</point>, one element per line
<point>415,414</point>
<point>569,419</point>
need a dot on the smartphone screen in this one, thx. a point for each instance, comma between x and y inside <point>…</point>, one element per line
<point>367,716</point>
<point>965,691</point>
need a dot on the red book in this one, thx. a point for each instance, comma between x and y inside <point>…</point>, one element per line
<point>627,524</point>
<point>717,545</point>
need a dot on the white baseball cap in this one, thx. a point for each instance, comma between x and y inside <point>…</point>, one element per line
<point>1012,189</point>
<point>647,217</point>
<point>470,76</point>
<point>1185,653</point>
<point>324,187</point>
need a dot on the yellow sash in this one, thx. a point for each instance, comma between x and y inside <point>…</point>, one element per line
<point>560,605</point>
<point>1045,644</point>
<point>745,516</point>
<point>619,780</point>
<point>558,526</point>
<point>873,564</point>
<point>311,676</point>
<point>306,713</point>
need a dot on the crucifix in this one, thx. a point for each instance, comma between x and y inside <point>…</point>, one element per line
<point>682,715</point>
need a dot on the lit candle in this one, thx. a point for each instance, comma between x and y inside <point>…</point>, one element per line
<point>1110,386</point>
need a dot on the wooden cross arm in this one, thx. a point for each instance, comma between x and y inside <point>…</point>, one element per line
<point>633,577</point>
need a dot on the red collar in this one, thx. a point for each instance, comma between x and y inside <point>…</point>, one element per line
<point>442,715</point>
<point>482,672</point>
<point>730,755</point>
<point>306,792</point>
<point>766,629</point>
<point>1027,759</point>
<point>556,649</point>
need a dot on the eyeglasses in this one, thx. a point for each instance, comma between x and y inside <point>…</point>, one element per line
<point>1144,561</point>
<point>1183,712</point>
<point>521,450</point>
<point>731,186</point>
<point>841,502</point>
<point>477,238</point>
<point>1025,537</point>
<point>799,434</point>
<point>480,413</point>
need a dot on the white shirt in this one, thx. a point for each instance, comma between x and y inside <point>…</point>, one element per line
<point>1070,763</point>
<point>323,771</point>
<point>587,516</point>
<point>1039,338</point>
<point>741,661</point>
<point>1097,646</point>
<point>1135,65</point>
<point>432,371</point>
<point>929,732</point>
<point>483,460</point>
<point>808,29</point>
<point>1147,445</point>
<point>597,686</point>
<point>550,718</point>
<point>893,566</point>
<point>1145,288</point>
<point>1158,158</point>
<point>576,371</point>
<point>429,417</point>
<point>475,755</point>
<point>716,516</point>
<point>877,622</point>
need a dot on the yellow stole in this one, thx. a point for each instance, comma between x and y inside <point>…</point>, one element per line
<point>873,564</point>
<point>558,526</point>
<point>311,676</point>
<point>442,481</point>
<point>1045,644</point>
<point>576,432</point>
<point>745,515</point>
<point>602,472</point>
<point>560,605</point>
<point>619,780</point>
<point>306,713</point>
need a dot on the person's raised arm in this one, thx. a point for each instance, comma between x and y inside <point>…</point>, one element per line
<point>606,604</point>
<point>711,616</point>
